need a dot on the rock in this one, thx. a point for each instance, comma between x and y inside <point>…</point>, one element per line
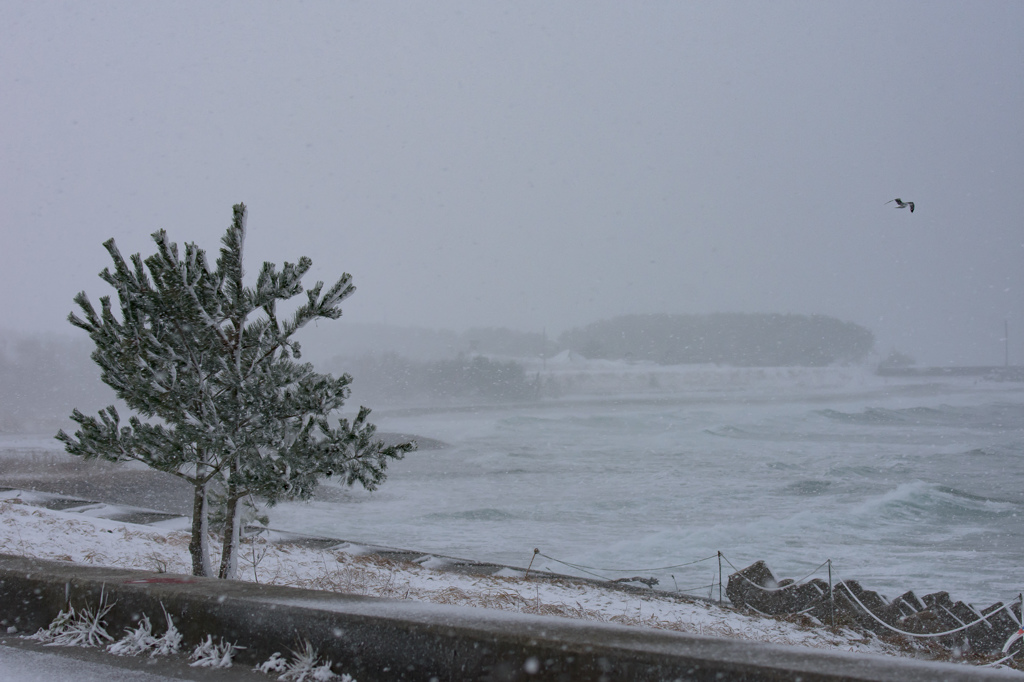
<point>849,603</point>
<point>908,604</point>
<point>756,587</point>
<point>991,634</point>
<point>901,608</point>
<point>857,599</point>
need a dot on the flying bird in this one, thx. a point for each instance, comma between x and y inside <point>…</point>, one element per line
<point>902,204</point>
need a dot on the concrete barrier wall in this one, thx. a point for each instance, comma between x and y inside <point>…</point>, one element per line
<point>377,639</point>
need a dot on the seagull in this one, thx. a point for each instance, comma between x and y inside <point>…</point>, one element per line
<point>902,204</point>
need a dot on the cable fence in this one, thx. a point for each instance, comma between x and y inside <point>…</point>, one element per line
<point>651,580</point>
<point>835,586</point>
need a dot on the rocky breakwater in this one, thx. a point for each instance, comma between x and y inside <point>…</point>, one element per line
<point>933,617</point>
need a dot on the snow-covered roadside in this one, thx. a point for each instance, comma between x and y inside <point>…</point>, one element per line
<point>64,536</point>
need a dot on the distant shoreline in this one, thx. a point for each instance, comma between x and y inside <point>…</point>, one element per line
<point>132,485</point>
<point>997,373</point>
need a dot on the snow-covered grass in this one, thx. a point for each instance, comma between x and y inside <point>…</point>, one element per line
<point>65,536</point>
<point>87,628</point>
<point>305,665</point>
<point>210,654</point>
<point>141,640</point>
<point>82,628</point>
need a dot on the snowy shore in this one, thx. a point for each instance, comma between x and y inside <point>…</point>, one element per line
<point>33,531</point>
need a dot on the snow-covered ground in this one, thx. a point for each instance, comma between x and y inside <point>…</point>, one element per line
<point>29,530</point>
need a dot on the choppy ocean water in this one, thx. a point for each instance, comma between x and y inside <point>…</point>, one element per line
<point>903,484</point>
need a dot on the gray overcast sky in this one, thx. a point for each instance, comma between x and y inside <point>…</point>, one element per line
<point>535,164</point>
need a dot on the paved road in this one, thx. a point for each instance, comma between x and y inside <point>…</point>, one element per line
<point>27,661</point>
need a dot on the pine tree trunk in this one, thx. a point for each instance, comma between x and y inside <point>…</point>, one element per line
<point>232,532</point>
<point>199,545</point>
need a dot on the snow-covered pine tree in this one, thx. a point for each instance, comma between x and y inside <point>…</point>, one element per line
<point>211,363</point>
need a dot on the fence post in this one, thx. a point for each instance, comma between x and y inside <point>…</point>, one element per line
<point>535,553</point>
<point>719,576</point>
<point>831,596</point>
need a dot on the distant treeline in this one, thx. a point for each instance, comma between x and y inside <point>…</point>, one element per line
<point>476,373</point>
<point>742,340</point>
<point>43,377</point>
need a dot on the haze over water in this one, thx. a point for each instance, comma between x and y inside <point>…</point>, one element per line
<point>904,484</point>
<point>543,166</point>
<point>535,165</point>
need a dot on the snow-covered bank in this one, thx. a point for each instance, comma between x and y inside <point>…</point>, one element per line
<point>42,533</point>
